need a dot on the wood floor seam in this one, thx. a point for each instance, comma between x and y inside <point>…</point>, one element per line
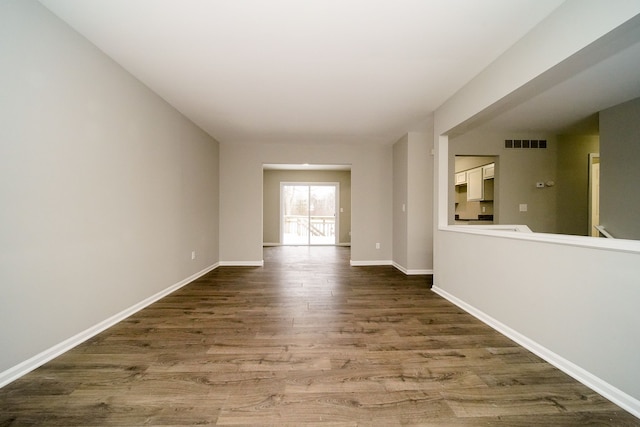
<point>306,339</point>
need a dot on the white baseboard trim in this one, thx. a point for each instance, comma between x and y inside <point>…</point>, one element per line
<point>51,353</point>
<point>242,263</point>
<point>417,272</point>
<point>617,396</point>
<point>411,272</point>
<point>372,262</point>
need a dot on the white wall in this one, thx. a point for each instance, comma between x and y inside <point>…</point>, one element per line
<point>241,196</point>
<point>105,188</point>
<point>573,304</point>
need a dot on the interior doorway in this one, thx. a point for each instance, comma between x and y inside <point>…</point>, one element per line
<point>309,213</point>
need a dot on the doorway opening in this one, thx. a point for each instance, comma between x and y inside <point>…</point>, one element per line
<point>309,213</point>
<point>275,175</point>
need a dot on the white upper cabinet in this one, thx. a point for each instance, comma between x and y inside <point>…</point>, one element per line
<point>488,171</point>
<point>475,187</point>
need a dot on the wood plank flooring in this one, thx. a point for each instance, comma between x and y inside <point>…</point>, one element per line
<point>304,340</point>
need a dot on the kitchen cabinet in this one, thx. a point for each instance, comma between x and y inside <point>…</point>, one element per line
<point>475,187</point>
<point>461,178</point>
<point>488,171</point>
<point>480,183</point>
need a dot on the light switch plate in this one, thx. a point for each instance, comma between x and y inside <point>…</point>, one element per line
<point>523,207</point>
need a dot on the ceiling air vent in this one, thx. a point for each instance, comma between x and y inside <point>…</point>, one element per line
<point>525,143</point>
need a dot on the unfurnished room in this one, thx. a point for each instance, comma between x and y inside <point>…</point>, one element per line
<point>319,212</point>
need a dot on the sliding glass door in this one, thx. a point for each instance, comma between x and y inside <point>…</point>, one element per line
<point>308,213</point>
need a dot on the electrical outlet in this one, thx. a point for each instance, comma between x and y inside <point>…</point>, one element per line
<point>193,254</point>
<point>523,207</point>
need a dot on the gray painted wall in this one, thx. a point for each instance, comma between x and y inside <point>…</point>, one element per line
<point>106,189</point>
<point>463,163</point>
<point>619,171</point>
<point>572,184</point>
<point>420,203</point>
<point>517,171</point>
<point>413,191</point>
<point>400,197</point>
<point>241,203</point>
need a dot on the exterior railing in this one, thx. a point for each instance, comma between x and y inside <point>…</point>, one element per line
<point>317,225</point>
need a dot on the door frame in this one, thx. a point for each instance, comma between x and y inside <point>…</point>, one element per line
<point>592,161</point>
<point>336,185</point>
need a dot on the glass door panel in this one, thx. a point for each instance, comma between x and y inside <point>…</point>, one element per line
<point>322,215</point>
<point>308,214</point>
<point>295,212</point>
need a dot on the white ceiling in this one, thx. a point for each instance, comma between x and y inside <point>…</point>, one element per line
<point>299,71</point>
<point>571,104</point>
